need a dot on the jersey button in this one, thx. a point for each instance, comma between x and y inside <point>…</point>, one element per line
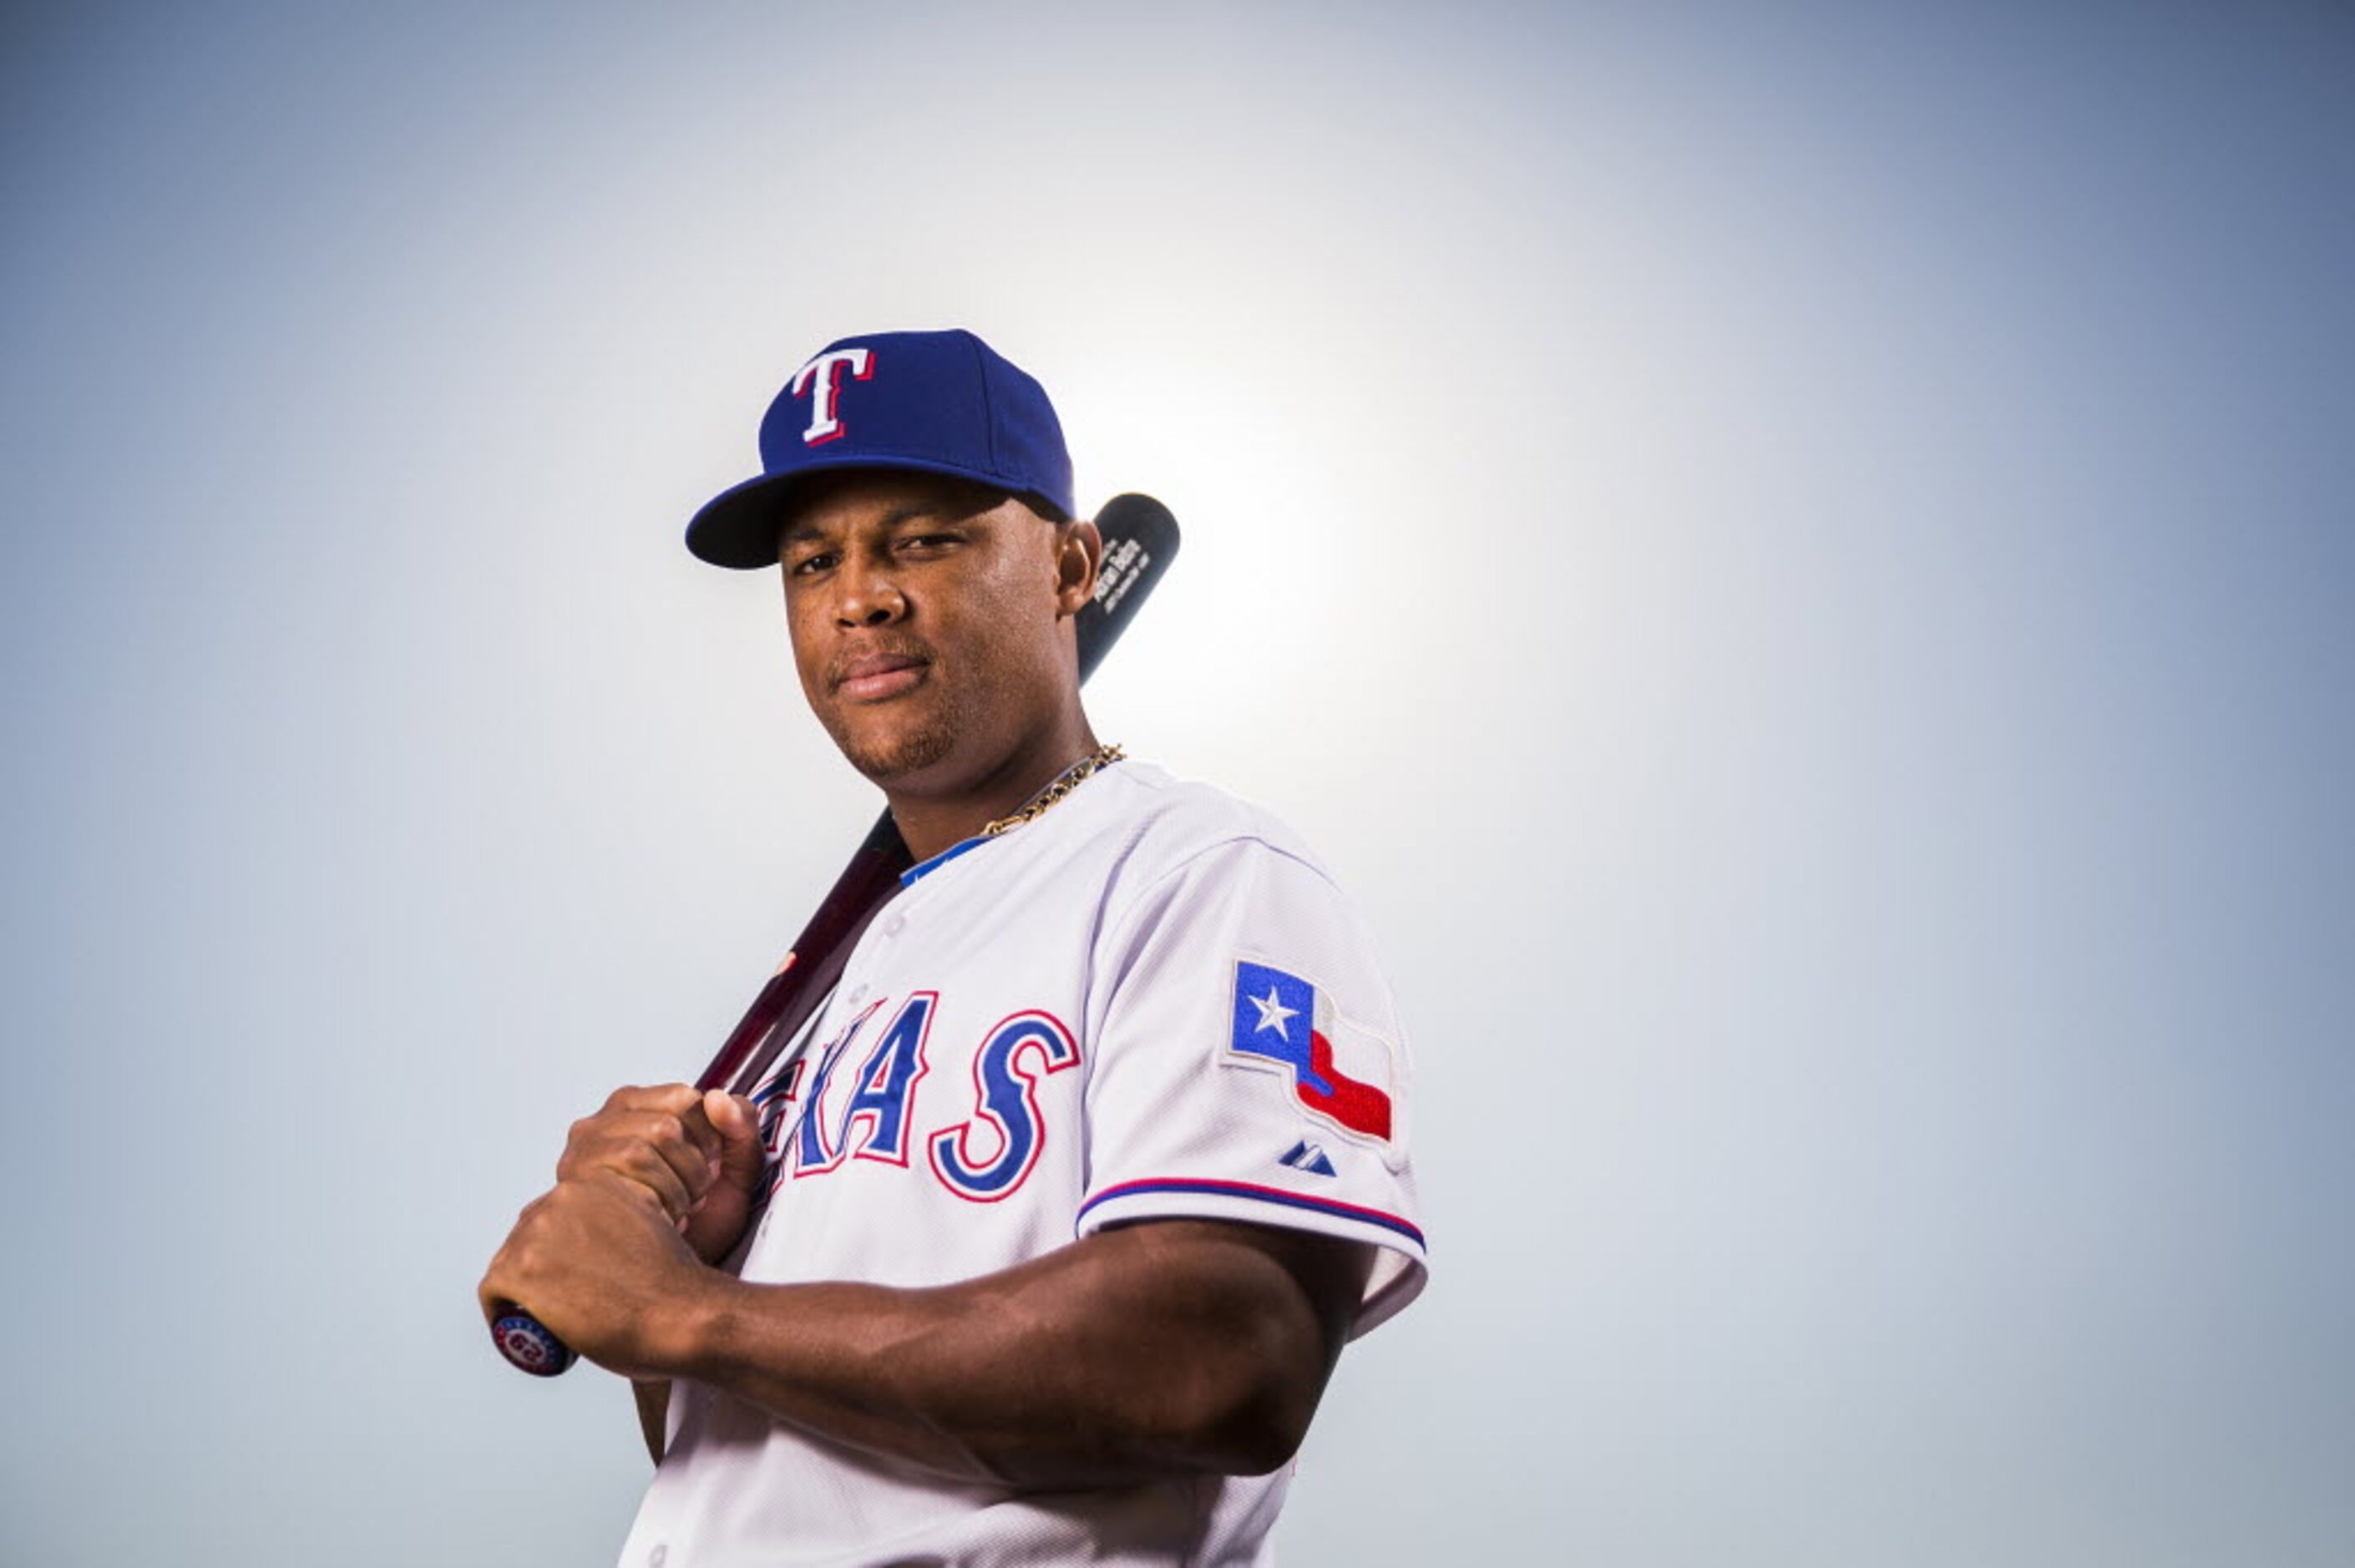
<point>858,995</point>
<point>895,924</point>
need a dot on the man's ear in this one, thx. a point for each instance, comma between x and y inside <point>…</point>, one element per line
<point>1079,552</point>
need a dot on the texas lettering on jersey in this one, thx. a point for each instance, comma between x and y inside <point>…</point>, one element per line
<point>983,1156</point>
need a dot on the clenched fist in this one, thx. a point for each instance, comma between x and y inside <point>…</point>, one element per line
<point>651,1190</point>
<point>699,1154</point>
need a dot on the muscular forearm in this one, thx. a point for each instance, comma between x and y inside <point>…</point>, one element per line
<point>1156,1350</point>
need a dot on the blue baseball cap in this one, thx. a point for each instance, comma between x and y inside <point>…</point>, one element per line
<point>938,402</point>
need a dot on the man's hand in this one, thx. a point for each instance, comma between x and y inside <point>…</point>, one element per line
<point>650,1189</point>
<point>699,1154</point>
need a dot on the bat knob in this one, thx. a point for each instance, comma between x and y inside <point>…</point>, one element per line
<point>526,1341</point>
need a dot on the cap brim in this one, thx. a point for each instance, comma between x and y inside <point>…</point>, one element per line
<point>738,528</point>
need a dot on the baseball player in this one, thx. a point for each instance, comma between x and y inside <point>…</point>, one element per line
<point>1043,1247</point>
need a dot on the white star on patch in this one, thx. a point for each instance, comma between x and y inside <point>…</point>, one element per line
<point>1273,1013</point>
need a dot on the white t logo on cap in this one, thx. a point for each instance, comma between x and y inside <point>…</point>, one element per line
<point>826,370</point>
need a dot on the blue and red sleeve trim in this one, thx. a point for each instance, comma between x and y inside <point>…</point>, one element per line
<point>1261,1195</point>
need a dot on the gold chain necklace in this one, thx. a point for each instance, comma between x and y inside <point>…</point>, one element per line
<point>1068,780</point>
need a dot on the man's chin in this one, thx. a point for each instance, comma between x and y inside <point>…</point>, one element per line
<point>884,758</point>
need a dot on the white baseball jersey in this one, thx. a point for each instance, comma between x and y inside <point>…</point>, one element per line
<point>1149,1002</point>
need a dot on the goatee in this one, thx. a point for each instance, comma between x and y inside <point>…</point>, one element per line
<point>882,757</point>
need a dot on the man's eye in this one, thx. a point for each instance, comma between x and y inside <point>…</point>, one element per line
<point>812,563</point>
<point>927,541</point>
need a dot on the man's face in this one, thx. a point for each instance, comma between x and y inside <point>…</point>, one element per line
<point>930,622</point>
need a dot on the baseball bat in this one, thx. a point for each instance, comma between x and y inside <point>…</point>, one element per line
<point>1140,540</point>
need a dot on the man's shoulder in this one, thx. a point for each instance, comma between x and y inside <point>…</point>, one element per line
<point>1165,821</point>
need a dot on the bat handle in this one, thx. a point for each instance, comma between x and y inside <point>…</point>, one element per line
<point>525,1340</point>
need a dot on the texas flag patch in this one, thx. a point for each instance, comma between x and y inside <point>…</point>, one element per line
<point>1282,1021</point>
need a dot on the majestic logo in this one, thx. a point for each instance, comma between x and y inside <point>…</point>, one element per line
<point>1309,1156</point>
<point>824,373</point>
<point>1282,1021</point>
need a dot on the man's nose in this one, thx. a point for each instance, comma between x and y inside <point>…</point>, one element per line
<point>868,594</point>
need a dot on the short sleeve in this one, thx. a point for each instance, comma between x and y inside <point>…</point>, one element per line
<point>1248,1065</point>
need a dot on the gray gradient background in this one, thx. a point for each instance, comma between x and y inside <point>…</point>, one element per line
<point>1797,564</point>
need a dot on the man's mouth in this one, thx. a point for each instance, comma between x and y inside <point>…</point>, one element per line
<point>873,677</point>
